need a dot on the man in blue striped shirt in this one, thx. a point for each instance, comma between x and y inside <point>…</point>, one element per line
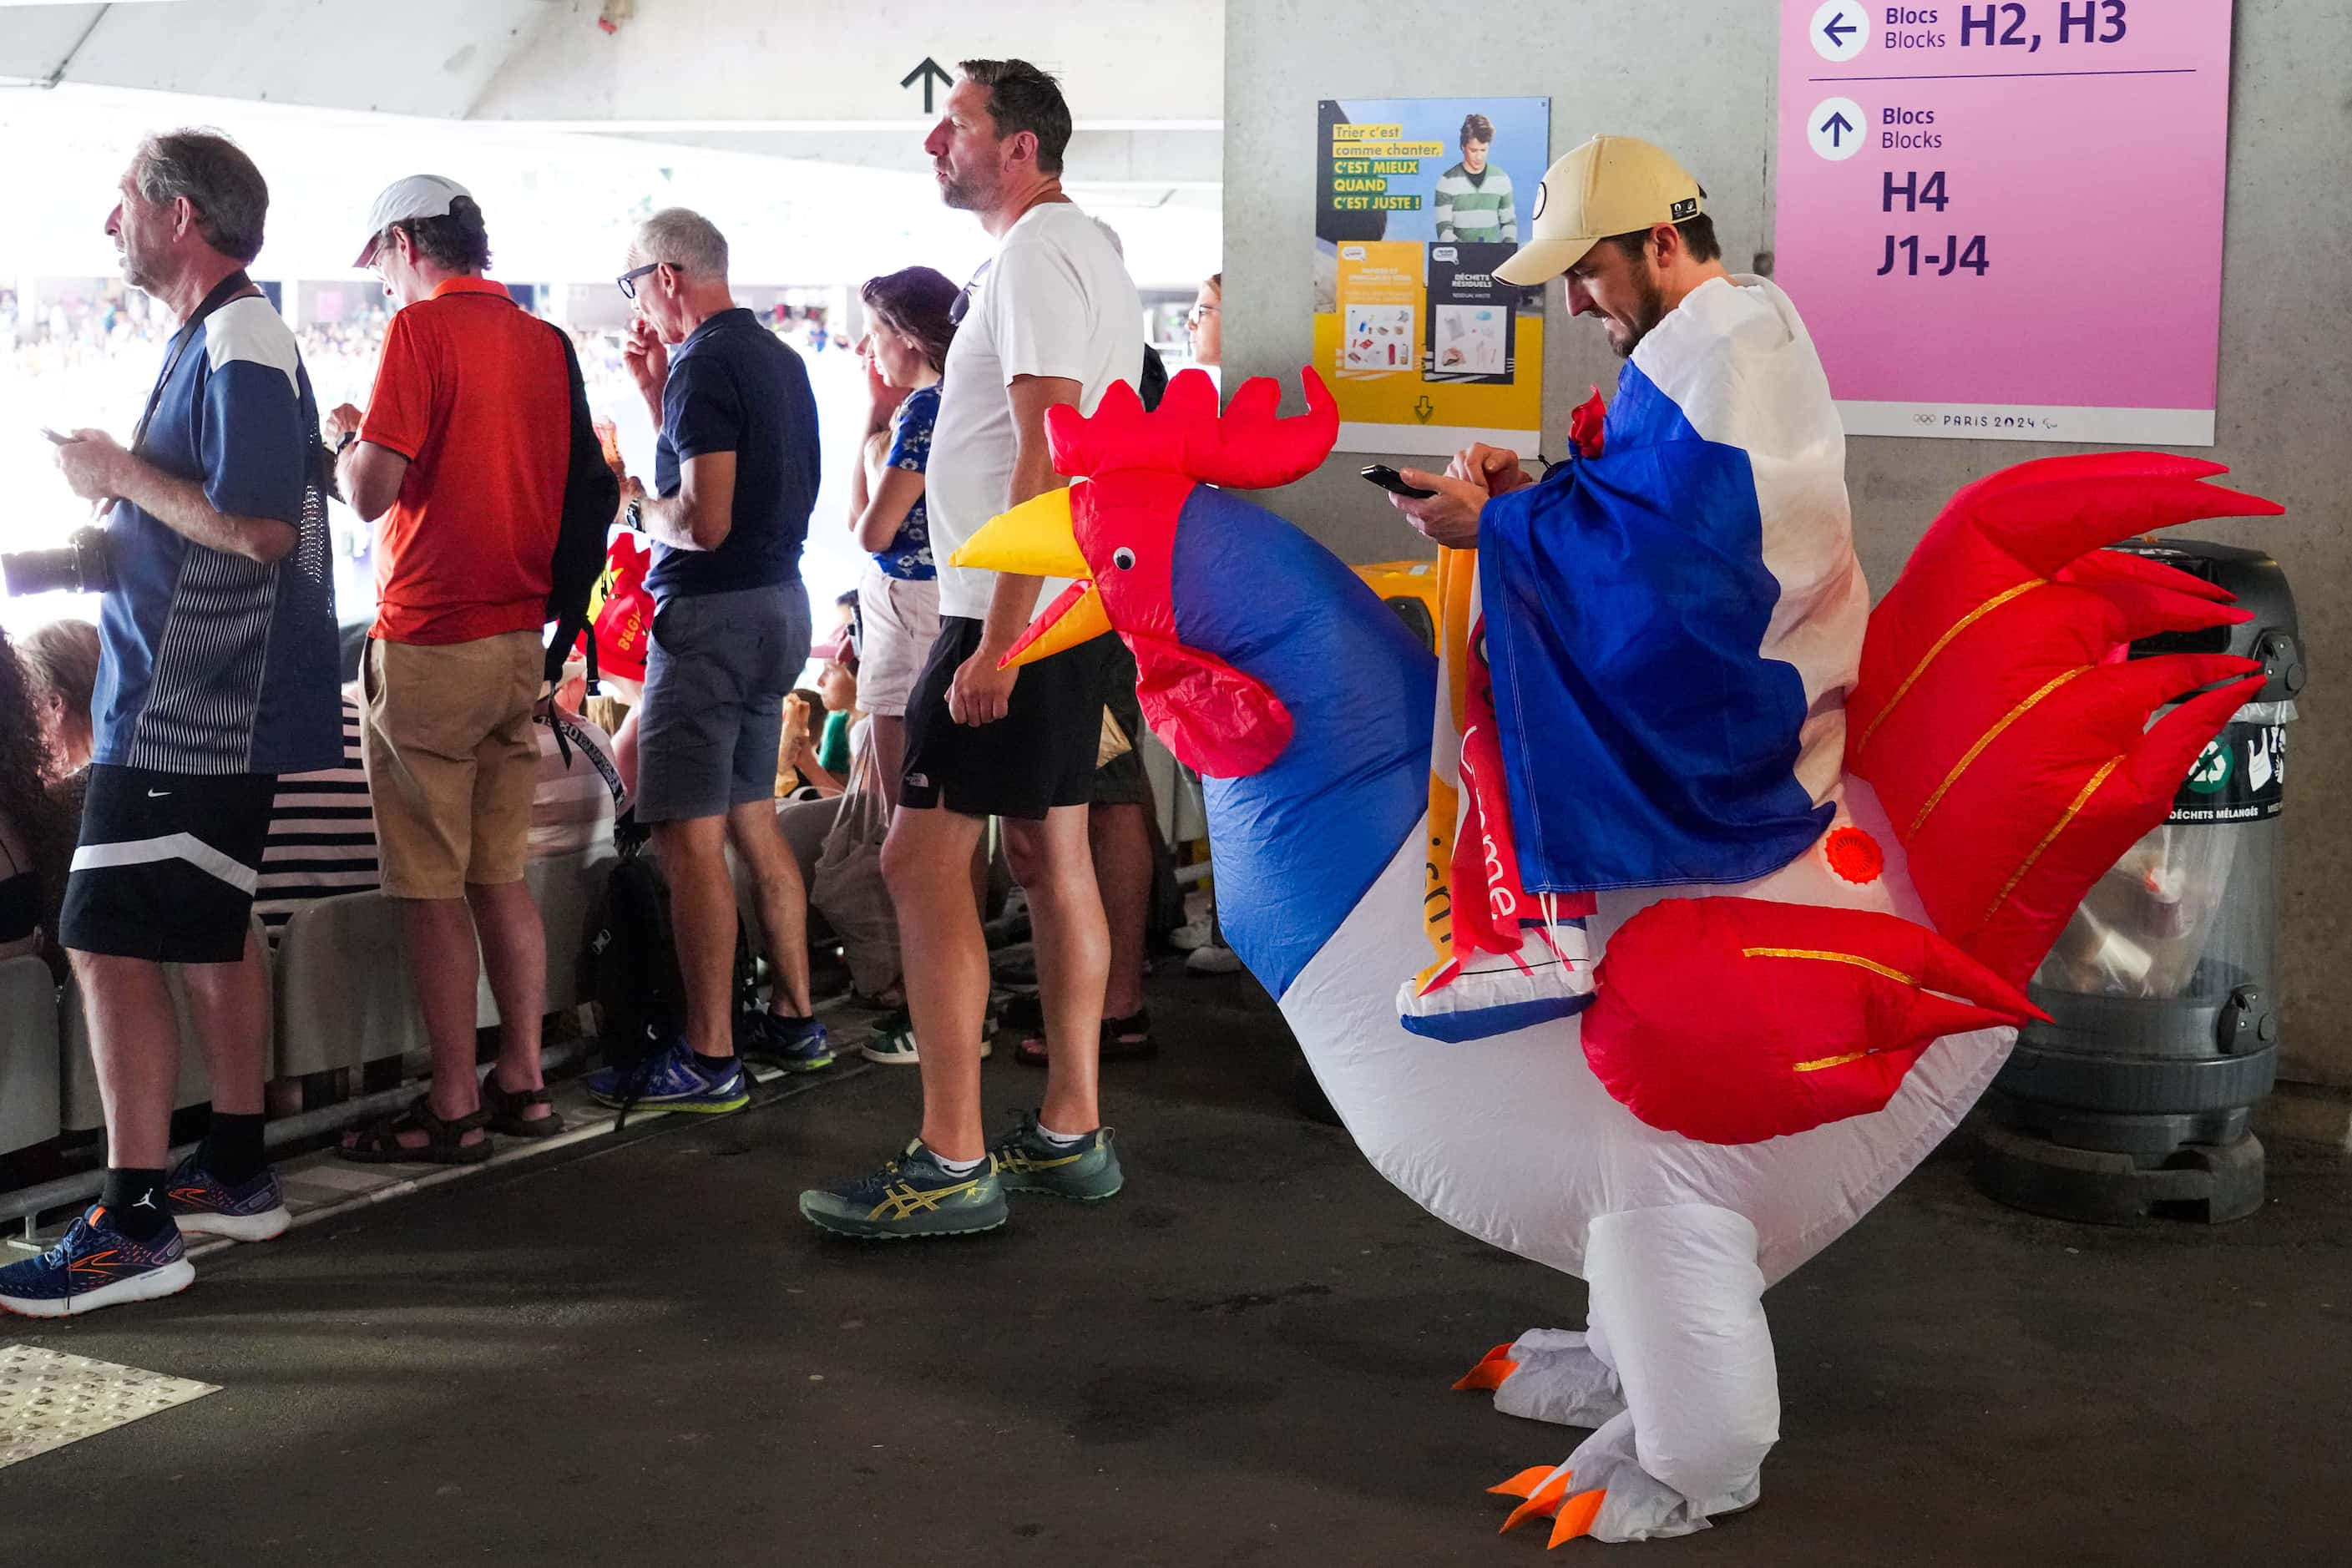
<point>218,674</point>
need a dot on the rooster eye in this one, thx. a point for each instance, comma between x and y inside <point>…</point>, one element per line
<point>1123,559</point>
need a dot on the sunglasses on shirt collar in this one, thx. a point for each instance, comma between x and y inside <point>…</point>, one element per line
<point>962,306</point>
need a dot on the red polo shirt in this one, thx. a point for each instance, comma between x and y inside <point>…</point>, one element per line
<point>471,390</point>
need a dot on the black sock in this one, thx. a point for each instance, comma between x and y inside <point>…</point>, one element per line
<point>231,1148</point>
<point>134,1202</point>
<point>714,1067</point>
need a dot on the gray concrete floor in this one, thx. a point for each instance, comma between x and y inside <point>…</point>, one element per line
<point>640,1355</point>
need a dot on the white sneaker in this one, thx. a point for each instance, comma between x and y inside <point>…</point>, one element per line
<point>1192,936</point>
<point>1214,961</point>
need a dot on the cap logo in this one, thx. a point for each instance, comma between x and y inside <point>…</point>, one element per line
<point>1686,208</point>
<point>1543,193</point>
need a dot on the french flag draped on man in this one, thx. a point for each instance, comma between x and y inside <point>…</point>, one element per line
<point>1673,621</point>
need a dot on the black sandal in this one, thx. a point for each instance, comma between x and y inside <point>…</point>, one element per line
<point>443,1145</point>
<point>505,1109</point>
<point>1032,1051</point>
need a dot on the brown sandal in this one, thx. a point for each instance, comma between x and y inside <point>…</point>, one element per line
<point>505,1109</point>
<point>1031,1052</point>
<point>444,1140</point>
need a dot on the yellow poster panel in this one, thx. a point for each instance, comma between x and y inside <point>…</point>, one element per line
<point>1371,348</point>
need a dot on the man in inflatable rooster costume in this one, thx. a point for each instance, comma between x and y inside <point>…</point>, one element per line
<point>1733,897</point>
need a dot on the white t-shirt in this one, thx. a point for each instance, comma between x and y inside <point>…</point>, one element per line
<point>1056,301</point>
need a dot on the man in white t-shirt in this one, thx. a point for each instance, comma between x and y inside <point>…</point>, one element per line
<point>1052,318</point>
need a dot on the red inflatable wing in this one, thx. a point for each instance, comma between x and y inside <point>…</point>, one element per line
<point>1735,1020</point>
<point>2014,759</point>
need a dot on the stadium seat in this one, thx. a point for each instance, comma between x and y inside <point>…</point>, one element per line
<point>28,1059</point>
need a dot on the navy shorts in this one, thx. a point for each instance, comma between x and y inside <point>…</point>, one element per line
<point>719,670</point>
<point>167,865</point>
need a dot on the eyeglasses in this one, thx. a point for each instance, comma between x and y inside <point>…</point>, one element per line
<point>962,306</point>
<point>628,281</point>
<point>1198,312</point>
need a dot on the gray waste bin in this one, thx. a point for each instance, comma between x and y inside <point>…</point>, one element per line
<point>2163,989</point>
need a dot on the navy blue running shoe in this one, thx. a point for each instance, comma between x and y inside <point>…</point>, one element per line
<point>796,1045</point>
<point>93,1266</point>
<point>672,1081</point>
<point>204,1205</point>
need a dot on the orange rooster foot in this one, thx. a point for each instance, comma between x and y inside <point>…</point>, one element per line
<point>1489,1374</point>
<point>1601,1490</point>
<point>1546,1493</point>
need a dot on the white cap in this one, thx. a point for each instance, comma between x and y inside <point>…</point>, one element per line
<point>419,195</point>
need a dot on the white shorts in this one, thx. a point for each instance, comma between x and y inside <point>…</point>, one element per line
<point>902,621</point>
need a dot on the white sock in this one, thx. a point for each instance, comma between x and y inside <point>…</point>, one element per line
<point>1062,1140</point>
<point>958,1167</point>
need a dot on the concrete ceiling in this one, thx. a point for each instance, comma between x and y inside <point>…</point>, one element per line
<point>802,80</point>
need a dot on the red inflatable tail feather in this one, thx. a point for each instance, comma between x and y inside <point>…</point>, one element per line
<point>2012,755</point>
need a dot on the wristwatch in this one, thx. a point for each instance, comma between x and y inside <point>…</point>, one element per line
<point>634,515</point>
<point>344,445</point>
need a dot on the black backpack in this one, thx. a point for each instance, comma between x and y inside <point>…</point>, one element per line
<point>592,498</point>
<point>632,970</point>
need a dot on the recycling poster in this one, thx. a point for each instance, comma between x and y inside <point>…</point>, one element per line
<point>1417,201</point>
<point>1957,185</point>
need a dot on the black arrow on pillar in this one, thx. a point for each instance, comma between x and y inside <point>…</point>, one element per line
<point>930,75</point>
<point>1837,125</point>
<point>1837,27</point>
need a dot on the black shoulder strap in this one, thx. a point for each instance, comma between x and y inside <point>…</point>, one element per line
<point>235,285</point>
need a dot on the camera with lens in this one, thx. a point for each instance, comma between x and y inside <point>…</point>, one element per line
<point>79,567</point>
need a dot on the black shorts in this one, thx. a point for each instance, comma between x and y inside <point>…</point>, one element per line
<point>1122,781</point>
<point>1040,755</point>
<point>167,865</point>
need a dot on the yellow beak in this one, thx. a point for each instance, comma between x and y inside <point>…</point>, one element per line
<point>1035,540</point>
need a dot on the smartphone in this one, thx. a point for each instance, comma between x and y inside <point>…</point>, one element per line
<point>1388,479</point>
<point>57,440</point>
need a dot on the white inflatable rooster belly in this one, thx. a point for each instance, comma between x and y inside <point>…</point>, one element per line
<point>1761,1062</point>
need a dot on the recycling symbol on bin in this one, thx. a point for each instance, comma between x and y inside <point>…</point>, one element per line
<point>2212,770</point>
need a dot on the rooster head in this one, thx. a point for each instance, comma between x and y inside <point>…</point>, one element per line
<point>1139,482</point>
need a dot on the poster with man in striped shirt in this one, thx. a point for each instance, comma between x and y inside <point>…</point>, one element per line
<point>1417,202</point>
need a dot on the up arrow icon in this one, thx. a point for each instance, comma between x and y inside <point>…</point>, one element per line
<point>1837,126</point>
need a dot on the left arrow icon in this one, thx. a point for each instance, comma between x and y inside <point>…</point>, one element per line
<point>1839,29</point>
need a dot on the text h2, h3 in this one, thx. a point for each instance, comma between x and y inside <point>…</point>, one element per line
<point>2006,24</point>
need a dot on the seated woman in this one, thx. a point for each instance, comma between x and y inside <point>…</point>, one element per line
<point>35,836</point>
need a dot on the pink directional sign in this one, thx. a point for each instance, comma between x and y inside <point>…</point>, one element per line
<point>2004,220</point>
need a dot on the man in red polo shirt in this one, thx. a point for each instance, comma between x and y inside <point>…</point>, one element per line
<point>462,453</point>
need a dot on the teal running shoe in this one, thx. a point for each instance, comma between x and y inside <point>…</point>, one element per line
<point>1031,1162</point>
<point>912,1195</point>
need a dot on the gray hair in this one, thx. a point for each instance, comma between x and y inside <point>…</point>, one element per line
<point>684,239</point>
<point>229,193</point>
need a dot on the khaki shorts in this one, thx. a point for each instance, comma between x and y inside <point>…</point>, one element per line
<point>901,619</point>
<point>451,760</point>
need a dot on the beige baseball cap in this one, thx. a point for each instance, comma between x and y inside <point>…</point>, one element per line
<point>419,195</point>
<point>1611,185</point>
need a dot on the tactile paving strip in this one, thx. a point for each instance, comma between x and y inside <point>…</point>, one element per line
<point>49,1399</point>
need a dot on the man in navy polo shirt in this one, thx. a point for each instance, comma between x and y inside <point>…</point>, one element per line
<point>735,474</point>
<point>218,674</point>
